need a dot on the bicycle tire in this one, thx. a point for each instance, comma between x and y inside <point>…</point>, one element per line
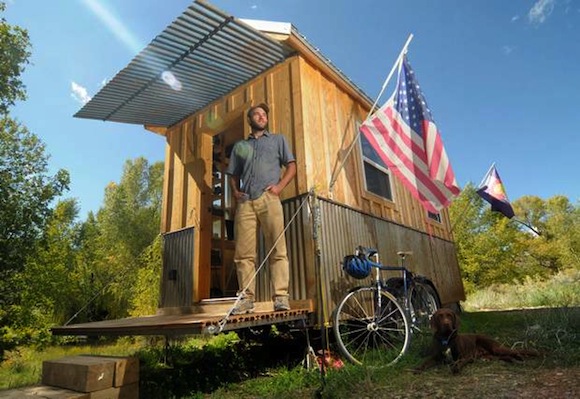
<point>367,333</point>
<point>424,302</point>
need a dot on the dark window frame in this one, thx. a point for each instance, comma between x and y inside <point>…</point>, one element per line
<point>377,177</point>
<point>436,217</point>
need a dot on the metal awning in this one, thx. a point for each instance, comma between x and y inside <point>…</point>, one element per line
<point>201,56</point>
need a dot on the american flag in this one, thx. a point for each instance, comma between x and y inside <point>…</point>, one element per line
<point>404,135</point>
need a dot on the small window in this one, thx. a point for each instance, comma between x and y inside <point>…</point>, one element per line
<point>434,216</point>
<point>377,176</point>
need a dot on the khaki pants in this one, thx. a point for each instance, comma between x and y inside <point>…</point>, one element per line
<point>267,213</point>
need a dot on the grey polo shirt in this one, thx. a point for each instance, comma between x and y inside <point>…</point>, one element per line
<point>258,162</point>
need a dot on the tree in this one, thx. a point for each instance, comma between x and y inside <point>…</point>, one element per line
<point>118,248</point>
<point>132,208</point>
<point>26,193</point>
<point>492,249</point>
<point>48,290</point>
<point>558,222</point>
<point>487,242</point>
<point>145,300</point>
<point>14,54</point>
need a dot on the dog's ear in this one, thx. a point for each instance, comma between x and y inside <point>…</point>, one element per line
<point>456,321</point>
<point>434,321</point>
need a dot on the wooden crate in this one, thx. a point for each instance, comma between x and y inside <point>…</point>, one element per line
<point>126,369</point>
<point>79,373</point>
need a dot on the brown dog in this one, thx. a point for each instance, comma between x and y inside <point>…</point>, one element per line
<point>460,349</point>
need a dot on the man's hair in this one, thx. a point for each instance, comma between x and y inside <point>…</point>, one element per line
<point>264,106</point>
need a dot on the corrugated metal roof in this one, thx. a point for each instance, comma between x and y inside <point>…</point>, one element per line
<point>207,51</point>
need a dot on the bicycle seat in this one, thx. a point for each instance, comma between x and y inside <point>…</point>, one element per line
<point>405,253</point>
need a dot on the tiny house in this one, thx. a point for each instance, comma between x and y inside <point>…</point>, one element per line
<point>193,84</point>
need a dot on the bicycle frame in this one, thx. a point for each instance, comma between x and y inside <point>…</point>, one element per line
<point>406,273</point>
<point>408,280</point>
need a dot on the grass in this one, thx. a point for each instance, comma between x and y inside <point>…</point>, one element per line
<point>561,290</point>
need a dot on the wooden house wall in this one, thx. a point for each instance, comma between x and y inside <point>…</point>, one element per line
<point>330,126</point>
<point>187,195</point>
<point>319,119</point>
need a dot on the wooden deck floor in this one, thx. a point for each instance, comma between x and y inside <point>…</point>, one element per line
<point>198,319</point>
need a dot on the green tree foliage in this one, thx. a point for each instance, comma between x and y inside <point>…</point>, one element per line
<point>105,267</point>
<point>558,223</point>
<point>14,54</point>
<point>26,193</point>
<point>118,249</point>
<point>486,244</point>
<point>145,300</point>
<point>48,291</point>
<point>132,205</point>
<point>492,249</point>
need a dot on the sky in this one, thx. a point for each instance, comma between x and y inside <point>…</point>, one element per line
<point>502,78</point>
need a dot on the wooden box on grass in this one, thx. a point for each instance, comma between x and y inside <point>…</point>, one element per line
<point>126,369</point>
<point>90,373</point>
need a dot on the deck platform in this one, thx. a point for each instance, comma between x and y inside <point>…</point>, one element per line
<point>197,319</point>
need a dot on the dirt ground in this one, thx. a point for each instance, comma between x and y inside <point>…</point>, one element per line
<point>497,384</point>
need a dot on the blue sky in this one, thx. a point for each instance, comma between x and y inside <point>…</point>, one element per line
<point>502,78</point>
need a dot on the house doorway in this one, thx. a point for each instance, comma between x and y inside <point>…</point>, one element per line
<point>223,280</point>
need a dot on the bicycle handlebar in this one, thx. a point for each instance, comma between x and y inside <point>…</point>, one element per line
<point>368,252</point>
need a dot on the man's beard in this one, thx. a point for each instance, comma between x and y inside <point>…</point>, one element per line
<point>256,126</point>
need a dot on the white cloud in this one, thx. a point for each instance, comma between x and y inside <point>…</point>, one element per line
<point>515,18</point>
<point>79,93</point>
<point>541,11</point>
<point>507,50</point>
<point>105,81</point>
<point>254,7</point>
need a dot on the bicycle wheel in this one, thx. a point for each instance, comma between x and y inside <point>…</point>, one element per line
<point>371,329</point>
<point>424,302</point>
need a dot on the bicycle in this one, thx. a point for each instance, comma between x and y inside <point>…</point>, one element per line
<point>373,324</point>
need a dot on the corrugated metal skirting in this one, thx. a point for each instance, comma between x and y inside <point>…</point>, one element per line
<point>341,230</point>
<point>296,236</point>
<point>177,280</point>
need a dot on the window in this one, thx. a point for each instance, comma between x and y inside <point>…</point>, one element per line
<point>435,216</point>
<point>377,176</point>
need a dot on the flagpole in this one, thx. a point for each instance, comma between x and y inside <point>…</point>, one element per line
<point>389,76</point>
<point>529,226</point>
